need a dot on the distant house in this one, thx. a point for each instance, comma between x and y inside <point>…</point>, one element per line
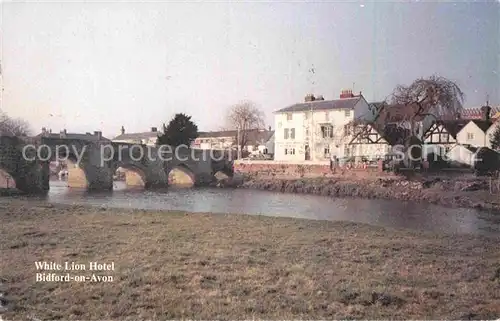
<point>471,137</point>
<point>215,140</point>
<point>474,133</point>
<point>257,140</point>
<point>147,138</point>
<point>63,134</point>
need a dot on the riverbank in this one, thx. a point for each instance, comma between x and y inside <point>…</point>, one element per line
<point>469,192</point>
<point>210,266</point>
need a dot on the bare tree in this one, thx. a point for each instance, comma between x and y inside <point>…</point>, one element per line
<point>436,96</point>
<point>244,117</point>
<point>13,126</point>
<point>440,94</point>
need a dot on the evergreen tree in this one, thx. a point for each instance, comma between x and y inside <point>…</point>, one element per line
<point>180,131</point>
<point>495,138</point>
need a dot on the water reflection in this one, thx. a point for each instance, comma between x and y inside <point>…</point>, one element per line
<point>377,212</point>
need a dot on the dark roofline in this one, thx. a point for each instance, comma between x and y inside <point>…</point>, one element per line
<point>137,135</point>
<point>484,125</point>
<point>305,106</point>
<point>78,136</point>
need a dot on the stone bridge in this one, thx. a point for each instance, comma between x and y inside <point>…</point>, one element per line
<point>27,162</point>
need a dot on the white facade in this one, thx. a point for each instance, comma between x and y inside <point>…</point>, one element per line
<point>472,135</point>
<point>460,155</point>
<point>320,130</point>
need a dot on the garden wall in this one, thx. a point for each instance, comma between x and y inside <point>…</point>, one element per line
<point>267,169</point>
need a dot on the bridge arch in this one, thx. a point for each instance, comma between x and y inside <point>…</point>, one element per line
<point>133,175</point>
<point>181,175</point>
<point>7,179</point>
<point>77,176</point>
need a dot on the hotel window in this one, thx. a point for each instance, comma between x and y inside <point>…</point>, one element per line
<point>285,134</point>
<point>470,136</point>
<point>286,151</point>
<point>347,113</point>
<point>327,151</point>
<point>292,151</point>
<point>289,116</point>
<point>292,133</point>
<point>327,131</point>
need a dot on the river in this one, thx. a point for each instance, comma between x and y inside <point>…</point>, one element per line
<point>385,213</point>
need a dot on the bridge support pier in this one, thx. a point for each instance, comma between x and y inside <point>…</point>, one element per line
<point>99,178</point>
<point>33,178</point>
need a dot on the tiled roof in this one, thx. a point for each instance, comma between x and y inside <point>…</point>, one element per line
<point>344,103</point>
<point>475,112</point>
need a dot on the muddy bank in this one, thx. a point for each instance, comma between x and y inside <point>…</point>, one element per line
<point>468,193</point>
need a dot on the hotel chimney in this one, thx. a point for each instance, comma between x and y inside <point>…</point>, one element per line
<point>309,98</point>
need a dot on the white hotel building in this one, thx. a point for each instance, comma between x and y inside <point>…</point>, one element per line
<point>315,129</point>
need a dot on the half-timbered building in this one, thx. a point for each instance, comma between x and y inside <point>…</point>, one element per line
<point>369,144</point>
<point>442,135</point>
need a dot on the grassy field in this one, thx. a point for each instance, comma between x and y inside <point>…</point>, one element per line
<point>214,266</point>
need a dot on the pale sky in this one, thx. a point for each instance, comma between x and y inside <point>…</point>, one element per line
<point>101,65</point>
